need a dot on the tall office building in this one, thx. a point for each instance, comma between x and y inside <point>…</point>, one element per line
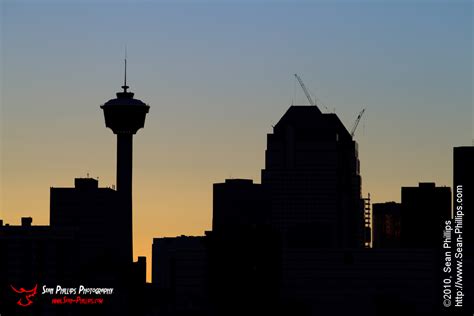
<point>312,176</point>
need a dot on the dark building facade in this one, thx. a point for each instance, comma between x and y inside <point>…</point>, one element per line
<point>312,176</point>
<point>31,256</point>
<point>97,221</point>
<point>386,225</point>
<point>180,273</point>
<point>244,256</point>
<point>375,282</point>
<point>93,216</point>
<point>34,252</point>
<point>238,204</point>
<point>423,212</point>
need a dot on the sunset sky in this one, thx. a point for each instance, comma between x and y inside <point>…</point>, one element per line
<point>218,75</point>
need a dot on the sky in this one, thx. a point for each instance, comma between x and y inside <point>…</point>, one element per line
<point>218,75</point>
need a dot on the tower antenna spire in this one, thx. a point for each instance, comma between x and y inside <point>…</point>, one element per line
<point>125,87</point>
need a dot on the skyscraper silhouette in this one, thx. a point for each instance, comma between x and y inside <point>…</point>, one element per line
<point>312,175</point>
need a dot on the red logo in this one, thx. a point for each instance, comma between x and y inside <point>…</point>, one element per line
<point>26,295</point>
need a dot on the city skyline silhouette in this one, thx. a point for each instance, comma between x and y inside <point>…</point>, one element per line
<point>211,69</point>
<point>275,241</point>
<point>188,147</point>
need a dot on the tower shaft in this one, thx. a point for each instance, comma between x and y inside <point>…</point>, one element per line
<point>124,164</point>
<point>124,186</point>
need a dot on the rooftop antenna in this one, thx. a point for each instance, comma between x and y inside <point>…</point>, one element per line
<point>125,87</point>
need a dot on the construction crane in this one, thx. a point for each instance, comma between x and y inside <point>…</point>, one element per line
<point>356,123</point>
<point>305,90</point>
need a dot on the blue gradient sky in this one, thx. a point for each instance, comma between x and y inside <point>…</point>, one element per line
<point>217,75</point>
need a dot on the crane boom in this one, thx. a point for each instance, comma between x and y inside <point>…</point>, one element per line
<point>306,92</point>
<point>356,123</point>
